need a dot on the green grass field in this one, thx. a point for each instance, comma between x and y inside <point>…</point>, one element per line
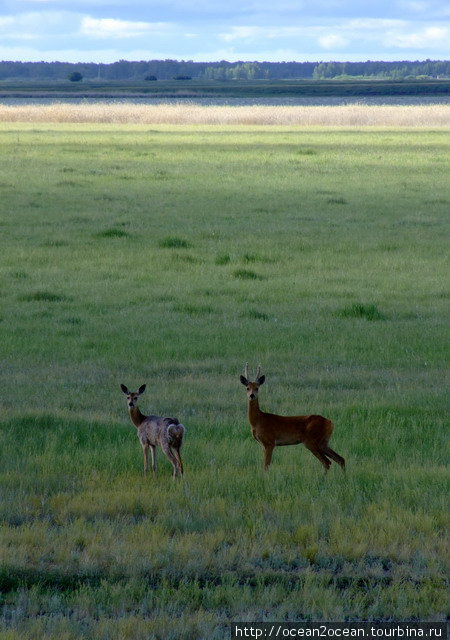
<point>171,256</point>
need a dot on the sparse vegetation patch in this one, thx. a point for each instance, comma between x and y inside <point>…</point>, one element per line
<point>337,200</point>
<point>365,311</point>
<point>173,242</point>
<point>246,274</point>
<point>254,314</point>
<point>193,310</point>
<point>113,232</point>
<point>254,257</point>
<point>222,259</point>
<point>44,296</point>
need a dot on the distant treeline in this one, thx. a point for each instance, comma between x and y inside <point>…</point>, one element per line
<point>223,70</point>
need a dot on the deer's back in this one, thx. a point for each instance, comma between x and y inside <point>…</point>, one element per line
<point>156,430</point>
<point>295,429</point>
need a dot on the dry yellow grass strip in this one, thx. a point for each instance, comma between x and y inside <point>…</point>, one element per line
<point>357,114</point>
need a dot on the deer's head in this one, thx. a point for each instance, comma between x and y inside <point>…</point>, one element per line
<point>252,387</point>
<point>132,396</point>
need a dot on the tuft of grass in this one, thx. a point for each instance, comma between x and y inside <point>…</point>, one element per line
<point>45,296</point>
<point>68,183</point>
<point>55,243</point>
<point>247,274</point>
<point>254,257</point>
<point>339,200</point>
<point>187,258</point>
<point>113,232</point>
<point>254,314</point>
<point>222,259</point>
<point>193,310</point>
<point>173,242</point>
<point>161,175</point>
<point>365,311</point>
<point>73,320</point>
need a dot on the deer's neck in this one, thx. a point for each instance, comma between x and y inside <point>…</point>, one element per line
<point>254,412</point>
<point>137,418</point>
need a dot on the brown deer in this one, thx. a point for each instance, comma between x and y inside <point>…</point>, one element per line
<point>154,430</point>
<point>273,431</point>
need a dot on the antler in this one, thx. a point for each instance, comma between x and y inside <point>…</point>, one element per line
<point>258,371</point>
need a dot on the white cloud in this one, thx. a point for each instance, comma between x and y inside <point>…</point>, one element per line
<point>232,54</point>
<point>333,41</point>
<point>431,9</point>
<point>415,6</point>
<point>111,28</point>
<point>6,22</point>
<point>241,33</point>
<point>28,26</point>
<point>372,23</point>
<point>336,33</point>
<point>269,33</point>
<point>429,37</point>
<point>366,35</point>
<point>69,54</point>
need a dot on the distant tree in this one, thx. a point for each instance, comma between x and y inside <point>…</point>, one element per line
<point>75,76</point>
<point>150,78</point>
<point>182,77</point>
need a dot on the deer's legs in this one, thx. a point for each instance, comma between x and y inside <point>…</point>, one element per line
<point>145,450</point>
<point>153,452</point>
<point>328,451</point>
<point>319,455</point>
<point>268,451</point>
<point>176,453</point>
<point>172,459</point>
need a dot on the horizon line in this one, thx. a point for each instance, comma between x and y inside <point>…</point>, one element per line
<point>229,62</point>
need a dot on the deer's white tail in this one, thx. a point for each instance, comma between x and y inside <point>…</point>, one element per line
<point>176,430</point>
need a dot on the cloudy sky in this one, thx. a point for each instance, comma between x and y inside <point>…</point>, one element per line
<point>206,30</point>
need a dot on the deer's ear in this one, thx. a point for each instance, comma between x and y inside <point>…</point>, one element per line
<point>124,389</point>
<point>243,380</point>
<point>142,389</point>
<point>261,380</point>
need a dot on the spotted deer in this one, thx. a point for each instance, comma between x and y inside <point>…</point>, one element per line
<point>271,430</point>
<point>154,430</point>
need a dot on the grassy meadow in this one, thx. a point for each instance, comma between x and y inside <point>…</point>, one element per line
<point>172,255</point>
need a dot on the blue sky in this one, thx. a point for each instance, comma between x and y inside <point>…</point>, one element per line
<point>206,30</point>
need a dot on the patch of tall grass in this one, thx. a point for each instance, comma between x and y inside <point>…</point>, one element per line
<point>189,113</point>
